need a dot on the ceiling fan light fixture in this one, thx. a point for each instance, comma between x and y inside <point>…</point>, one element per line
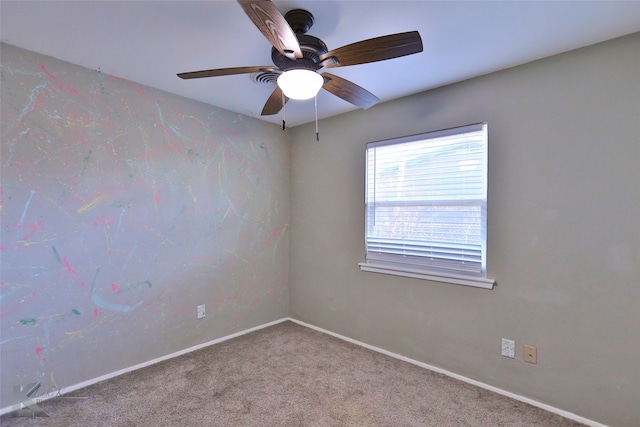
<point>300,84</point>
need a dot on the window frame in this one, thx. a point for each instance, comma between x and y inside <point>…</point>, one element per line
<point>383,263</point>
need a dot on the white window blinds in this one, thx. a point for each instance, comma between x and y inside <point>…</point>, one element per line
<point>426,201</point>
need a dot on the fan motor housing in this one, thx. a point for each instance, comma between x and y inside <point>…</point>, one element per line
<point>311,47</point>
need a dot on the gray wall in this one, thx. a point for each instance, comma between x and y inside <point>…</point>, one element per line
<point>563,237</point>
<point>124,208</point>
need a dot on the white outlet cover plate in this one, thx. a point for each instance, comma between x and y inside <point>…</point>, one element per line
<point>508,348</point>
<point>201,311</point>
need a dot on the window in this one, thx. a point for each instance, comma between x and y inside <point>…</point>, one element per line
<point>426,206</point>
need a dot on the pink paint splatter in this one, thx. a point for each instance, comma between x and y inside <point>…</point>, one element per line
<point>102,218</point>
<point>72,271</point>
<point>231,131</point>
<point>115,288</point>
<point>38,351</point>
<point>156,194</point>
<point>33,228</point>
<point>51,76</point>
<point>272,237</point>
<point>236,202</point>
<point>60,86</point>
<point>95,312</point>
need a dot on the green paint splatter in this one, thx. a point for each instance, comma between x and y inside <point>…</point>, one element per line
<point>31,321</point>
<point>57,255</point>
<point>263,146</point>
<point>192,153</point>
<point>76,311</point>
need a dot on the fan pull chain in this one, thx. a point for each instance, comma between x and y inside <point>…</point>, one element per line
<point>284,104</point>
<point>316,105</point>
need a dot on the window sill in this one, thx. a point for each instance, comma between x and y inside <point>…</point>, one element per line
<point>456,279</point>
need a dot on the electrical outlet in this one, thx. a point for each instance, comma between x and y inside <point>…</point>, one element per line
<point>530,354</point>
<point>508,348</point>
<point>201,311</point>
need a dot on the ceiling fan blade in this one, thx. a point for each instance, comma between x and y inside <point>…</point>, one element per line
<point>275,102</point>
<point>225,72</point>
<point>266,16</point>
<point>349,91</point>
<point>372,50</point>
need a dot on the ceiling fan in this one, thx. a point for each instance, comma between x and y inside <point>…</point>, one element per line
<point>298,56</point>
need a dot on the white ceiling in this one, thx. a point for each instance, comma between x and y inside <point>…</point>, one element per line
<point>150,41</point>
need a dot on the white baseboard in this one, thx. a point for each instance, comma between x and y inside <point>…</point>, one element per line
<point>92,381</point>
<point>515,396</point>
<point>524,399</point>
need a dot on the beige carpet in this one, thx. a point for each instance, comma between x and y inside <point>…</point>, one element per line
<point>287,375</point>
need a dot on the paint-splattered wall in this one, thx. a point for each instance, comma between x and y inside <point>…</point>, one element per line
<point>123,208</point>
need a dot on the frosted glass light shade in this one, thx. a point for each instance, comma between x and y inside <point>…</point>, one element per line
<point>300,84</point>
